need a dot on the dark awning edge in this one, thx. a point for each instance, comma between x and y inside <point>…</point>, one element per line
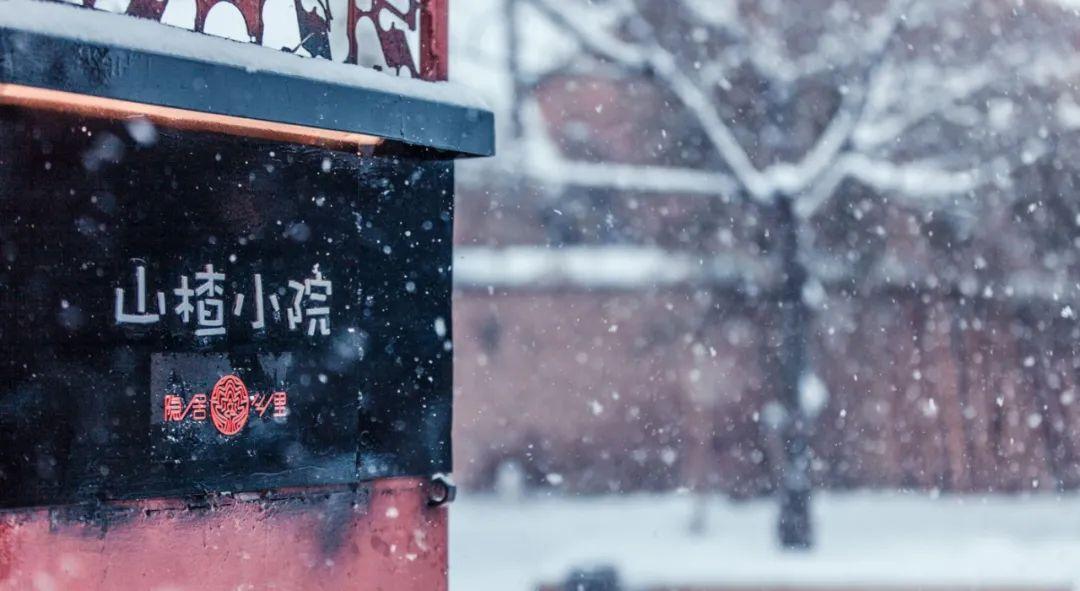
<point>414,112</point>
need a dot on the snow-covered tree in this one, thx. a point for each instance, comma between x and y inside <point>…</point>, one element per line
<point>787,109</point>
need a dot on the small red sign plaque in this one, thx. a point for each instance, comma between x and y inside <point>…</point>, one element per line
<point>228,406</point>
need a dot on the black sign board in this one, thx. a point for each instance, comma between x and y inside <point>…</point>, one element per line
<point>184,312</point>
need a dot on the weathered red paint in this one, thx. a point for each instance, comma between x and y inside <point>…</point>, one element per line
<point>435,40</point>
<point>382,536</point>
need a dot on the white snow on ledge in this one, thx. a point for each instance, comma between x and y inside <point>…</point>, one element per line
<point>598,267</point>
<point>90,26</point>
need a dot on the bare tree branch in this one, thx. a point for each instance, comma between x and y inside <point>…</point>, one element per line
<point>799,177</point>
<point>920,180</point>
<point>661,63</point>
<point>762,185</point>
<point>893,94</point>
<point>543,162</point>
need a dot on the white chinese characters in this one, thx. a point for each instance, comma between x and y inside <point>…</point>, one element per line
<point>317,290</point>
<point>204,303</point>
<point>140,316</point>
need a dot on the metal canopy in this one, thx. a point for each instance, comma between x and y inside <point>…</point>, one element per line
<point>156,65</point>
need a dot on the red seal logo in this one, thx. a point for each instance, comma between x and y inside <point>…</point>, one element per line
<point>229,405</point>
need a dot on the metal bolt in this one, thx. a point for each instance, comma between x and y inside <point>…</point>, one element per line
<point>441,490</point>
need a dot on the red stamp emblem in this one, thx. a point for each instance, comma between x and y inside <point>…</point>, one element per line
<point>229,405</point>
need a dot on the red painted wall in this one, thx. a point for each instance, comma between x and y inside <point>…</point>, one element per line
<point>381,536</point>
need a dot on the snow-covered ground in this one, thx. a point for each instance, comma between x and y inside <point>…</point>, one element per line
<point>864,539</point>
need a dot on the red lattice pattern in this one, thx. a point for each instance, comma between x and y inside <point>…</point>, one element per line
<point>425,20</point>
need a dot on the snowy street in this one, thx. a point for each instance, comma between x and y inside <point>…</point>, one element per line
<point>866,540</point>
<point>540,295</point>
